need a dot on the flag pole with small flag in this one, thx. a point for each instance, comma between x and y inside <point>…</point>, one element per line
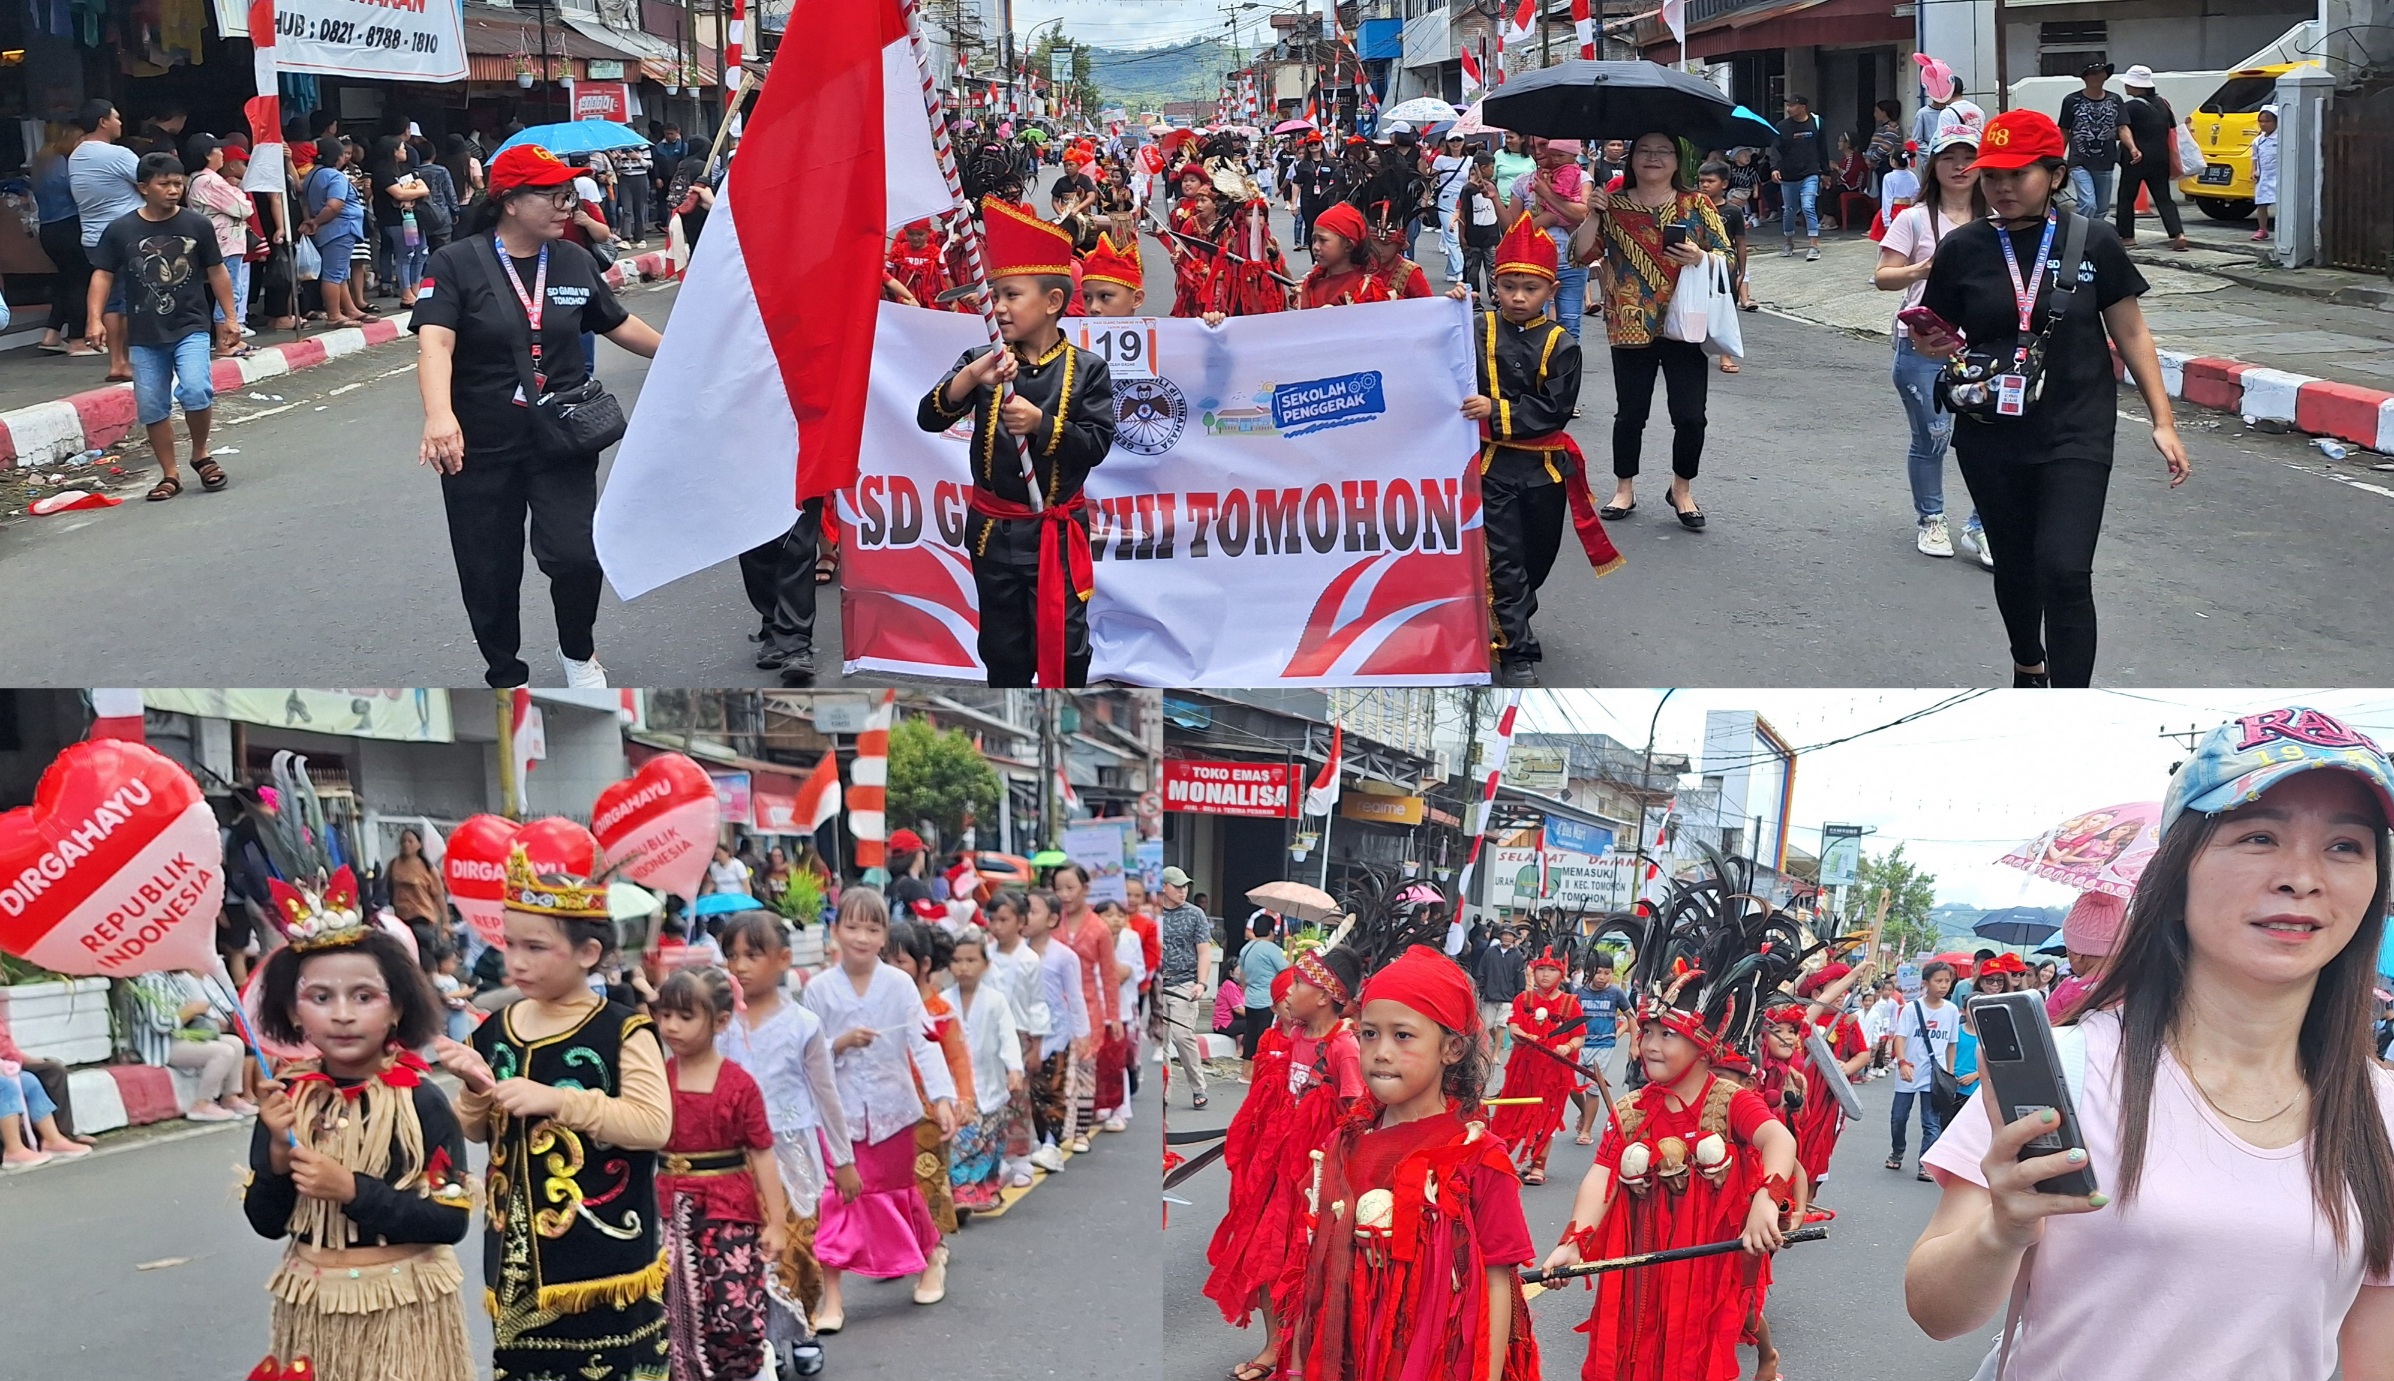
<point>868,792</point>
<point>1496,745</point>
<point>1583,27</point>
<point>1321,794</point>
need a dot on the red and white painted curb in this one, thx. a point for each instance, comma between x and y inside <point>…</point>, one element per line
<point>2320,407</point>
<point>49,432</point>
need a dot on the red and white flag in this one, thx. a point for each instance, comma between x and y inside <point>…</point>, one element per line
<point>818,796</point>
<point>1067,799</point>
<point>771,345</point>
<point>1321,794</point>
<point>1584,26</point>
<point>528,729</point>
<point>117,714</point>
<point>868,784</point>
<point>1674,18</point>
<point>1516,31</point>
<point>1473,84</point>
<point>1494,747</point>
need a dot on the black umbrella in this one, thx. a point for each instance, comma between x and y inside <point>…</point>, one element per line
<point>1582,99</point>
<point>2018,925</point>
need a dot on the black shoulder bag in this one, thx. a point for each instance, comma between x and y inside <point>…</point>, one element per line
<point>1972,383</point>
<point>580,421</point>
<point>1945,1087</point>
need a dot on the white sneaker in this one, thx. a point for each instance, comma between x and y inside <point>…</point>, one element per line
<point>1977,538</point>
<point>1114,1124</point>
<point>584,675</point>
<point>1934,540</point>
<point>1048,1158</point>
<point>1812,255</point>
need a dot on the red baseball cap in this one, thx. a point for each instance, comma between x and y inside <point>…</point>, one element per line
<point>906,841</point>
<point>2017,138</point>
<point>527,165</point>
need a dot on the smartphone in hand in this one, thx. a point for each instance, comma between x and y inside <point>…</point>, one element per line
<point>2022,1070</point>
<point>1674,234</point>
<point>1920,321</point>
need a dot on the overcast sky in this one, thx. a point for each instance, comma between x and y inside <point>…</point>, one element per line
<point>1144,23</point>
<point>1960,788</point>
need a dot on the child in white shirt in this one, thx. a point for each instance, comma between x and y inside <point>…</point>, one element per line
<point>975,1167</point>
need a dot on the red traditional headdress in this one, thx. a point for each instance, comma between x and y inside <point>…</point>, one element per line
<point>1016,242</point>
<point>1547,960</point>
<point>1430,983</point>
<point>1527,249</point>
<point>1711,957</point>
<point>1113,263</point>
<point>320,919</point>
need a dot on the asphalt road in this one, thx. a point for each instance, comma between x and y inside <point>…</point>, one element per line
<point>1836,1308</point>
<point>328,558</point>
<point>138,1263</point>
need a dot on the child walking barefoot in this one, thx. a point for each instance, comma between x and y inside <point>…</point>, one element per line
<point>372,1196</point>
<point>1428,1290</point>
<point>978,1172</point>
<point>880,1047</point>
<point>781,1045</point>
<point>725,1219</point>
<point>568,1089</point>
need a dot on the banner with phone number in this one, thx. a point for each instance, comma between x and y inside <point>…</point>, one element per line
<point>1291,500</point>
<point>406,40</point>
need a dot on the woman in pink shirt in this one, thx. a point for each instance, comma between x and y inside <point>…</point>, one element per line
<point>2240,1132</point>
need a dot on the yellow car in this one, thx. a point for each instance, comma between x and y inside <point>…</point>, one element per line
<point>2224,126</point>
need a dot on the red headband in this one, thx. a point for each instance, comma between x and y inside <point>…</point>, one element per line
<point>1317,974</point>
<point>1431,984</point>
<point>1282,982</point>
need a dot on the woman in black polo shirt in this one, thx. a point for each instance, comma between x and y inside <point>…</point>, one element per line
<point>470,317</point>
<point>2040,472</point>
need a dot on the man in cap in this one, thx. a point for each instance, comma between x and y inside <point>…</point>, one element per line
<point>2093,122</point>
<point>1185,964</point>
<point>2147,129</point>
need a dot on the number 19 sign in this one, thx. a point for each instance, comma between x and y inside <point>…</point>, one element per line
<point>1126,344</point>
<point>412,40</point>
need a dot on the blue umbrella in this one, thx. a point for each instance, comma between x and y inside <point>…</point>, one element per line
<point>1769,130</point>
<point>578,136</point>
<point>2017,925</point>
<point>717,903</point>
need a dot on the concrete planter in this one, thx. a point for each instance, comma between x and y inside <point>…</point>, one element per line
<point>64,1019</point>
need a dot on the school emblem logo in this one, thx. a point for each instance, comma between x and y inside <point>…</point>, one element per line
<point>1149,415</point>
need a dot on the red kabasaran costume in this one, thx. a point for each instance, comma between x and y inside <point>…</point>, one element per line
<point>1528,1129</point>
<point>1819,1122</point>
<point>1683,1176</point>
<point>1405,279</point>
<point>1396,1284</point>
<point>923,271</point>
<point>1344,289</point>
<point>1301,1089</point>
<point>1245,285</point>
<point>1193,263</point>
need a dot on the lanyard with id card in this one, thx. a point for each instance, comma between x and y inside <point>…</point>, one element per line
<point>2011,388</point>
<point>534,303</point>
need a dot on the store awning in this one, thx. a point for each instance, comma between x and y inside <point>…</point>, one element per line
<point>1783,24</point>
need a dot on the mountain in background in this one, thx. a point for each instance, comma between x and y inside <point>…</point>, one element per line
<point>1145,78</point>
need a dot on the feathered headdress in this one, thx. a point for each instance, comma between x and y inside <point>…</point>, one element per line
<point>319,907</point>
<point>1708,961</point>
<point>1386,915</point>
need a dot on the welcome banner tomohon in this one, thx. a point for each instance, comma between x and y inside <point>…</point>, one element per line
<point>1291,500</point>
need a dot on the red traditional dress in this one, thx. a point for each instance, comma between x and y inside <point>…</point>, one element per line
<point>1193,262</point>
<point>1301,1089</point>
<point>1345,288</point>
<point>1553,1020</point>
<point>1683,1176</point>
<point>1819,1122</point>
<point>1243,281</point>
<point>923,270</point>
<point>1405,279</point>
<point>1396,1286</point>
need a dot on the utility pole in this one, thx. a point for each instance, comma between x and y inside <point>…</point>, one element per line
<point>1645,780</point>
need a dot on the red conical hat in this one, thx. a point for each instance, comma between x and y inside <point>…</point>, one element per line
<point>1526,249</point>
<point>1114,263</point>
<point>1015,242</point>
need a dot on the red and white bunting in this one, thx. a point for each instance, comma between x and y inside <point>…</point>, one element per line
<point>868,786</point>
<point>1497,746</point>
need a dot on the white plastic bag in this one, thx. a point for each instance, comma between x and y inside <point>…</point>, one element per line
<point>306,263</point>
<point>1689,317</point>
<point>2190,154</point>
<point>1726,337</point>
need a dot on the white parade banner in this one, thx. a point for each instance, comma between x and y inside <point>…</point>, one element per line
<point>404,40</point>
<point>1596,882</point>
<point>1291,499</point>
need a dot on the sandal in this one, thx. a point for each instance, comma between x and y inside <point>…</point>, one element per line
<point>212,475</point>
<point>1253,1371</point>
<point>1728,365</point>
<point>1533,1175</point>
<point>164,489</point>
<point>1583,1139</point>
<point>1895,1162</point>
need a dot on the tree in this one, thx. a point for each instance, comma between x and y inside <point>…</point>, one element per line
<point>937,775</point>
<point>1083,86</point>
<point>1909,928</point>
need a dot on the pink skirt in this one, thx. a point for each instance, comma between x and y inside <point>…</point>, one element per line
<point>888,1231</point>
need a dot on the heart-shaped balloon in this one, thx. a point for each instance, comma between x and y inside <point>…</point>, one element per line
<point>115,868</point>
<point>559,845</point>
<point>660,824</point>
<point>475,868</point>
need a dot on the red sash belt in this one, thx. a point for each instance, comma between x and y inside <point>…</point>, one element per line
<point>1602,554</point>
<point>1052,570</point>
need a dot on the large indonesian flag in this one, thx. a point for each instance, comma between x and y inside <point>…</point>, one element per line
<point>755,403</point>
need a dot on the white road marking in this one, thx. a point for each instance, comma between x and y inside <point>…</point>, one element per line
<point>2319,471</point>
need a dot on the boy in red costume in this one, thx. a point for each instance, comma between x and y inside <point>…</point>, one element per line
<point>1305,1080</point>
<point>1386,245</point>
<point>1546,1016</point>
<point>1418,1224</point>
<point>1693,1156</point>
<point>1342,272</point>
<point>918,265</point>
<point>1821,1119</point>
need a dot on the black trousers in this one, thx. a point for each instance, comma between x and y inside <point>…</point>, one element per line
<point>487,502</point>
<point>780,578</point>
<point>2153,174</point>
<point>1006,575</point>
<point>2043,520</point>
<point>634,197</point>
<point>63,242</point>
<point>1523,525</point>
<point>1682,365</point>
